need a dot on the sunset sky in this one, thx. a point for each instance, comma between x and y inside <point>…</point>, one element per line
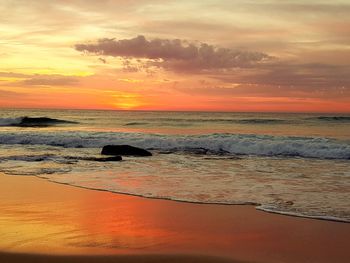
<point>252,55</point>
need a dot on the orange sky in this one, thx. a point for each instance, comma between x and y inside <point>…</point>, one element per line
<point>265,55</point>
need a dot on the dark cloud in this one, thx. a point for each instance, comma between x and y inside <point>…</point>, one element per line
<point>102,60</point>
<point>256,73</point>
<point>313,76</point>
<point>279,80</point>
<point>268,91</point>
<point>175,54</point>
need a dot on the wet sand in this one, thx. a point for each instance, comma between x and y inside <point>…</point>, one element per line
<point>42,221</point>
<point>35,258</point>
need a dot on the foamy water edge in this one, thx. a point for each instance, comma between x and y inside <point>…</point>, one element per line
<point>257,206</point>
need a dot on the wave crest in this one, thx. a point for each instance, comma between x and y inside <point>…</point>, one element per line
<point>235,144</point>
<point>333,118</point>
<point>32,121</point>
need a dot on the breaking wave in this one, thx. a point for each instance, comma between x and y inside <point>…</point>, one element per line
<point>135,123</point>
<point>239,121</point>
<point>32,121</point>
<point>235,144</point>
<point>333,118</point>
<point>262,121</point>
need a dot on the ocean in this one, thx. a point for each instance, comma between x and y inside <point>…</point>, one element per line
<point>287,163</point>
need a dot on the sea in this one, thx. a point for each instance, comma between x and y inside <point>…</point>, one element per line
<point>287,163</point>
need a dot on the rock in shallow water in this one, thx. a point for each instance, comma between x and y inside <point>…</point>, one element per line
<point>124,150</point>
<point>97,159</point>
<point>108,159</point>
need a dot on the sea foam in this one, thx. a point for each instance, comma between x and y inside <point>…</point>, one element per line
<point>235,144</point>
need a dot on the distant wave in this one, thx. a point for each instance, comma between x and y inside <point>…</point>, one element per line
<point>240,121</point>
<point>333,118</point>
<point>262,121</point>
<point>31,121</point>
<point>135,123</point>
<point>248,121</point>
<point>27,158</point>
<point>234,144</point>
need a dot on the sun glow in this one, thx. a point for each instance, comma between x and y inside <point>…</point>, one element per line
<point>127,101</point>
<point>74,57</point>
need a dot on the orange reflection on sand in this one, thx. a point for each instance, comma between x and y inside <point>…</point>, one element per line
<point>122,224</point>
<point>42,217</point>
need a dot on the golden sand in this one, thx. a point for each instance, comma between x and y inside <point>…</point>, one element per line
<point>40,217</point>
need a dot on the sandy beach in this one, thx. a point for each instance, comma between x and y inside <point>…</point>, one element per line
<point>207,131</point>
<point>41,221</point>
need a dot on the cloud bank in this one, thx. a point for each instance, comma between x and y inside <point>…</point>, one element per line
<point>175,54</point>
<point>256,73</point>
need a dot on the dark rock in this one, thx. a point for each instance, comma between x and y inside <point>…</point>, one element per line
<point>166,152</point>
<point>198,150</point>
<point>124,150</point>
<point>41,122</point>
<point>97,159</point>
<point>107,159</point>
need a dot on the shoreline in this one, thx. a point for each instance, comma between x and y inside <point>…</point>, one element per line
<point>161,258</point>
<point>41,217</point>
<point>257,206</point>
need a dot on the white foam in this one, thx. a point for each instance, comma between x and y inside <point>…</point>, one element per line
<point>275,210</point>
<point>260,145</point>
<point>292,186</point>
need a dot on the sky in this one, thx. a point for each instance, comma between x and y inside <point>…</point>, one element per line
<point>207,55</point>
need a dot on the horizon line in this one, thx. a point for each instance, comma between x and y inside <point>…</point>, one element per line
<point>155,110</point>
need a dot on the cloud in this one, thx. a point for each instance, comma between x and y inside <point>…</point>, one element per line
<point>13,75</point>
<point>326,82</point>
<point>50,80</point>
<point>228,66</point>
<point>268,91</point>
<point>38,79</point>
<point>313,76</point>
<point>175,54</point>
<point>8,94</point>
<point>102,60</point>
